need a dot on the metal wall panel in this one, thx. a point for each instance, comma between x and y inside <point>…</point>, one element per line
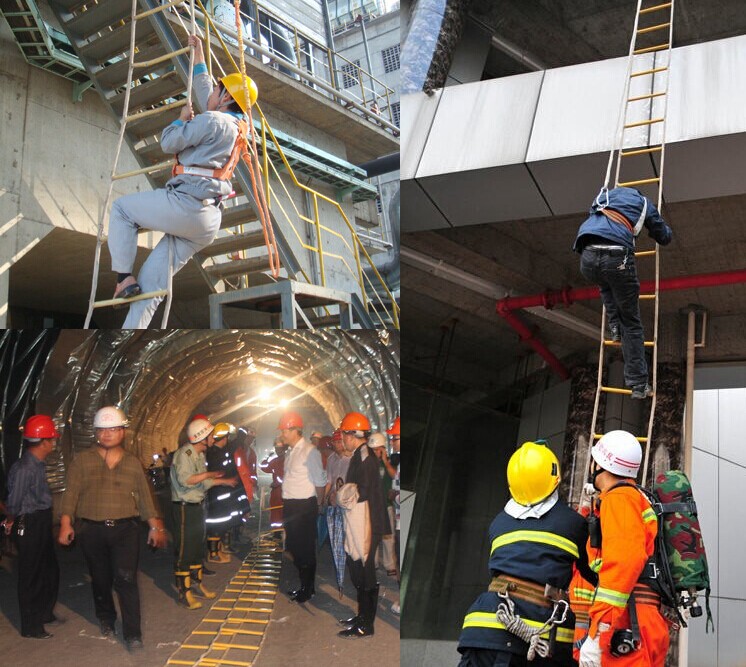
<point>417,114</point>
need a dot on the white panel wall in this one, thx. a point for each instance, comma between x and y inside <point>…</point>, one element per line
<point>536,144</point>
<point>718,475</point>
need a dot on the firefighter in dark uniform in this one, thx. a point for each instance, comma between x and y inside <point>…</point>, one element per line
<point>225,508</point>
<point>524,618</point>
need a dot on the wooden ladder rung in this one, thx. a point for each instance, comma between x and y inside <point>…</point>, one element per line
<point>616,390</point>
<point>639,123</point>
<point>642,151</point>
<point>123,302</point>
<point>160,8</point>
<point>653,28</point>
<point>651,49</point>
<point>647,296</point>
<point>152,112</point>
<point>145,170</point>
<point>656,8</point>
<point>160,59</point>
<point>646,253</point>
<point>598,436</point>
<point>655,70</point>
<point>640,182</point>
<point>613,343</point>
<point>646,97</point>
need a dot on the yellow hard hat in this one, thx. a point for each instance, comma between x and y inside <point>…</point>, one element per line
<point>533,473</point>
<point>222,429</point>
<point>233,83</point>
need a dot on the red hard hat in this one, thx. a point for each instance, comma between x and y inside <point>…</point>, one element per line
<point>394,430</point>
<point>40,427</point>
<point>354,421</point>
<point>290,420</point>
<point>196,417</point>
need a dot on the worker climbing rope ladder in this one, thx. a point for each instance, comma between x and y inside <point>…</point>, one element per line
<point>188,209</point>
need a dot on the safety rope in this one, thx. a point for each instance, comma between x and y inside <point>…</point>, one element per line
<point>253,160</point>
<point>122,126</point>
<point>514,624</point>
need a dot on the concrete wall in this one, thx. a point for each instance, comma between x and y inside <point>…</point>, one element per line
<point>718,472</point>
<point>535,144</point>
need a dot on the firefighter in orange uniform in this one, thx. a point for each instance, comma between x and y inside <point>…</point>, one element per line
<point>626,625</point>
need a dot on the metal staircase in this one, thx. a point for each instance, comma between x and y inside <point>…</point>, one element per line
<point>100,36</point>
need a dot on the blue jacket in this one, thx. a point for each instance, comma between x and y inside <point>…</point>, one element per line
<point>636,208</point>
<point>540,550</point>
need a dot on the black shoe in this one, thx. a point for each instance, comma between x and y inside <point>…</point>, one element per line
<point>295,593</point>
<point>614,333</point>
<point>53,620</point>
<point>207,571</point>
<point>303,595</point>
<point>107,629</point>
<point>134,644</point>
<point>355,632</point>
<point>349,621</point>
<point>39,634</point>
<point>642,391</point>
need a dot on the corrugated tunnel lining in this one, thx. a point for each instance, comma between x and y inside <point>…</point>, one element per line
<point>160,377</point>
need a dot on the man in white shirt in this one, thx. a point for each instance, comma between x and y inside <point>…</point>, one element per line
<point>303,489</point>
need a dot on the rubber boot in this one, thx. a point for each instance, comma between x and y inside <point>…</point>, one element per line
<point>226,543</point>
<point>215,555</point>
<point>186,599</point>
<point>196,572</point>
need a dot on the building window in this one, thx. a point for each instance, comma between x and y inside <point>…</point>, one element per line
<point>395,113</point>
<point>390,59</point>
<point>379,206</point>
<point>350,73</point>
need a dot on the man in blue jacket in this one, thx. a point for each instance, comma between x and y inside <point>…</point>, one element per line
<point>606,241</point>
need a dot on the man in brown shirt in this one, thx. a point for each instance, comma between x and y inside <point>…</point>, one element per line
<point>108,491</point>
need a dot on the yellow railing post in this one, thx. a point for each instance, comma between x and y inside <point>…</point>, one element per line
<point>297,48</point>
<point>266,162</point>
<point>319,245</point>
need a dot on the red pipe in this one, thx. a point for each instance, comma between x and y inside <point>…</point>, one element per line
<point>529,337</point>
<point>568,296</point>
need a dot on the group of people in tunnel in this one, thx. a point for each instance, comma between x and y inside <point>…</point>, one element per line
<point>212,480</point>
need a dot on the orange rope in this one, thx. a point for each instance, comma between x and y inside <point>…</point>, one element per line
<point>252,160</point>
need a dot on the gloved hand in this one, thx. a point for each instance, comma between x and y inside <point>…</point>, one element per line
<point>590,653</point>
<point>586,495</point>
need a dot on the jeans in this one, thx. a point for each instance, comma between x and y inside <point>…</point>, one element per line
<point>614,271</point>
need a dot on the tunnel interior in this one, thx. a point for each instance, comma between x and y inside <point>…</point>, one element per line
<point>162,378</point>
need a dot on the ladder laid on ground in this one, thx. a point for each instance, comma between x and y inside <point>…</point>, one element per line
<point>100,35</point>
<point>639,164</point>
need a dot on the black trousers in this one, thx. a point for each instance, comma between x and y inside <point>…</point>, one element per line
<point>38,572</point>
<point>363,574</point>
<point>189,535</point>
<point>112,554</point>
<point>299,519</point>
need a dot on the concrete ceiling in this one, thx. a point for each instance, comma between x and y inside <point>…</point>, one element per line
<point>588,30</point>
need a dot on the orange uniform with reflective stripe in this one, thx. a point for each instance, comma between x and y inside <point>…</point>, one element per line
<point>628,528</point>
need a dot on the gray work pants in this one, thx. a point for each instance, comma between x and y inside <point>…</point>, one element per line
<point>188,226</point>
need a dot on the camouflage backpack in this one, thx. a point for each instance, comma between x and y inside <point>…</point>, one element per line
<point>680,562</point>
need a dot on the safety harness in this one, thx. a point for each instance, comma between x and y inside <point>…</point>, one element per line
<point>225,173</point>
<point>544,596</point>
<point>619,218</point>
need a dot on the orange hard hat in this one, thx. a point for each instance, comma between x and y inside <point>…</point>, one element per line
<point>290,420</point>
<point>40,427</point>
<point>394,430</point>
<point>354,421</point>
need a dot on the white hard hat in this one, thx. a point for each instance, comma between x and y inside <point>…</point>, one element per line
<point>110,417</point>
<point>377,440</point>
<point>198,430</point>
<point>619,453</point>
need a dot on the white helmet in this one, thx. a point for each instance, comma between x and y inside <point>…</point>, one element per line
<point>377,440</point>
<point>110,417</point>
<point>198,430</point>
<point>619,453</point>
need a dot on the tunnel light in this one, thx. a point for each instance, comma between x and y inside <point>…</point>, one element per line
<point>284,402</point>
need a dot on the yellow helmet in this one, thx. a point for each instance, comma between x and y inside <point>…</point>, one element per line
<point>222,429</point>
<point>233,83</point>
<point>533,473</point>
